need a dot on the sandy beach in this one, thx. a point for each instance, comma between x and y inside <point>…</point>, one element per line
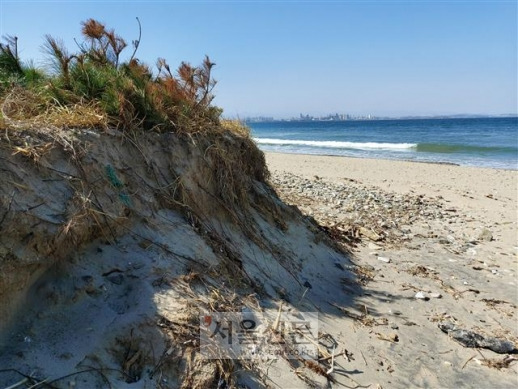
<point>286,195</point>
<point>432,244</point>
<point>409,268</point>
<point>487,195</point>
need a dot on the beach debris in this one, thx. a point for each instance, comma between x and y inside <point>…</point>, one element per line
<point>307,284</point>
<point>369,234</point>
<point>332,361</point>
<point>347,355</point>
<point>364,274</point>
<point>278,318</point>
<point>393,337</point>
<point>384,259</point>
<point>364,318</point>
<point>422,271</point>
<point>435,295</point>
<point>316,368</point>
<point>19,383</point>
<point>472,252</point>
<point>501,306</point>
<point>485,235</point>
<point>421,296</point>
<point>353,212</point>
<point>474,340</point>
<point>493,302</point>
<point>499,364</point>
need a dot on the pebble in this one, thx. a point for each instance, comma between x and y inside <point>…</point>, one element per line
<point>486,235</point>
<point>386,215</point>
<point>435,295</point>
<point>421,296</point>
<point>384,259</point>
<point>472,252</point>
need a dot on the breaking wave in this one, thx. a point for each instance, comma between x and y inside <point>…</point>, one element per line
<point>336,144</point>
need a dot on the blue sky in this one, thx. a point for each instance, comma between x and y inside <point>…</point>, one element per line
<point>281,58</point>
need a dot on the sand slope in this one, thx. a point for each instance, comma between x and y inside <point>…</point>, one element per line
<point>111,248</point>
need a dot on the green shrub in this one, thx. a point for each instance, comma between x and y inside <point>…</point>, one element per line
<point>129,93</point>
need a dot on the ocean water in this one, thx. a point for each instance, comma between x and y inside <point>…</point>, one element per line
<point>483,142</point>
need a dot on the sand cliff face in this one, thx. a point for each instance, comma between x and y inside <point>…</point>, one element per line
<point>112,245</point>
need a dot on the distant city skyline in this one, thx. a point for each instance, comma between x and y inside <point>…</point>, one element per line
<point>281,58</point>
<point>349,117</point>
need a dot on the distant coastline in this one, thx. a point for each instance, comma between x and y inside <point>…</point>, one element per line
<point>348,118</point>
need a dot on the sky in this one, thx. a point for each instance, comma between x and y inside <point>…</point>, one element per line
<point>283,58</point>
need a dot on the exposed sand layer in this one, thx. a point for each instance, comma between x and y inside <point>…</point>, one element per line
<point>112,247</point>
<point>445,251</point>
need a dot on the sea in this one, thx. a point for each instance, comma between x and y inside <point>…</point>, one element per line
<point>482,142</point>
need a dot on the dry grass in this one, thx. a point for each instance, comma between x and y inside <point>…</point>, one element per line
<point>21,105</point>
<point>88,116</point>
<point>24,109</point>
<point>364,274</point>
<point>364,318</point>
<point>236,127</point>
<point>92,87</point>
<point>500,364</point>
<point>131,355</point>
<point>34,152</point>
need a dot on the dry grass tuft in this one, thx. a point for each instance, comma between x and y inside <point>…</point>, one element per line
<point>21,105</point>
<point>236,127</point>
<point>500,364</point>
<point>78,115</point>
<point>25,108</point>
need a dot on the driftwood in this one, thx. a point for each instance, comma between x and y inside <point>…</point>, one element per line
<point>473,340</point>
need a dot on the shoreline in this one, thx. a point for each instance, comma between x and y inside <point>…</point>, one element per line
<point>391,160</point>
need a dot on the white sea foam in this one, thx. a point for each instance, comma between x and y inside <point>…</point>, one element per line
<point>336,144</point>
